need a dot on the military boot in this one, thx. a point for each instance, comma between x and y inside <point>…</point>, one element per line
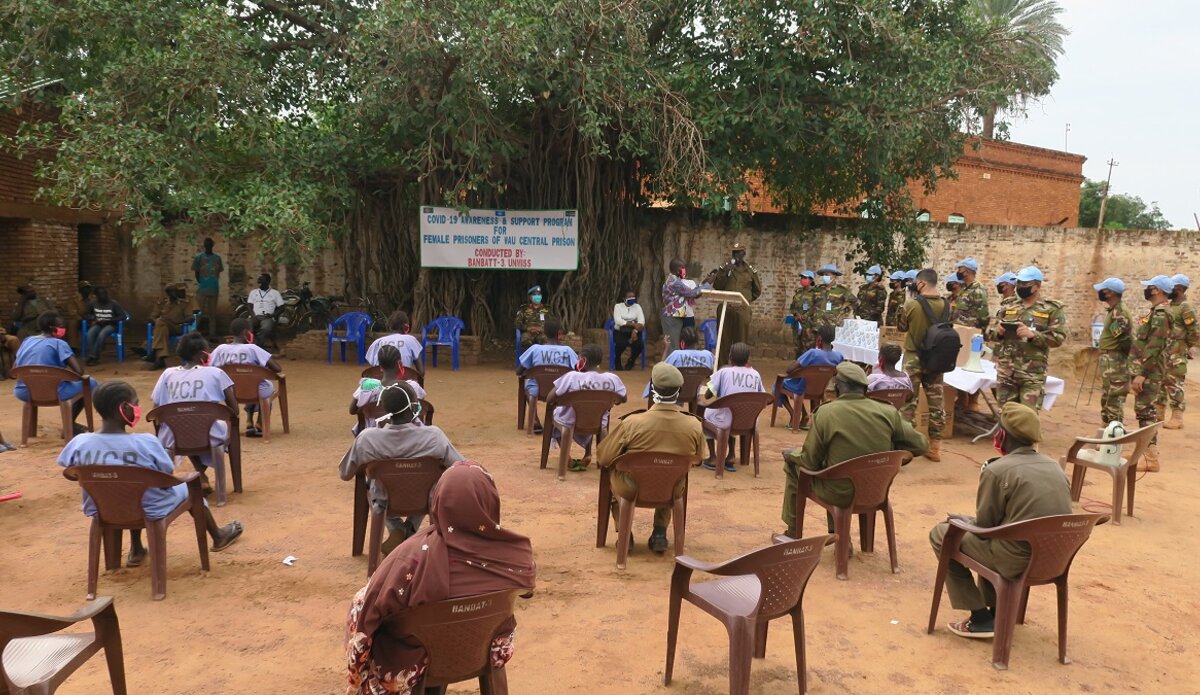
<point>935,450</point>
<point>1149,462</point>
<point>1176,421</point>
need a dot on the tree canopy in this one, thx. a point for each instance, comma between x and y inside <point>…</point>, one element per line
<point>1121,212</point>
<point>310,122</point>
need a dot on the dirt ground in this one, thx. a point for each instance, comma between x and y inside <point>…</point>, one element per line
<point>254,625</point>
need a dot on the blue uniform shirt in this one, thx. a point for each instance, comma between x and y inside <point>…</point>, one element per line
<point>143,450</point>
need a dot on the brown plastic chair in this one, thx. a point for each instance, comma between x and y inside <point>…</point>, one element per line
<point>457,635</point>
<point>872,477</point>
<point>545,375</point>
<point>34,660</point>
<point>190,422</point>
<point>655,474</point>
<point>117,493</point>
<point>753,590</point>
<point>42,382</point>
<point>409,374</point>
<point>1124,476</point>
<point>1053,543</point>
<point>745,407</point>
<point>816,380</point>
<point>408,483</point>
<point>590,408</point>
<point>693,379</point>
<point>246,378</point>
<point>893,397</point>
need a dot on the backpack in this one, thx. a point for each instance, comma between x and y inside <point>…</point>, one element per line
<point>939,351</point>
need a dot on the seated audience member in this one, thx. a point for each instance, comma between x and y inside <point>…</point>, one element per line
<point>409,347</point>
<point>663,428</point>
<point>531,318</point>
<point>821,355</point>
<point>887,376</point>
<point>738,377</point>
<point>267,305</point>
<point>29,307</point>
<point>117,404</point>
<point>102,314</point>
<point>628,323</point>
<point>368,390</point>
<point>464,552</point>
<point>1020,485</point>
<point>586,377</point>
<point>168,322</point>
<point>74,311</point>
<point>548,352</point>
<point>690,353</point>
<point>194,380</point>
<point>50,350</point>
<point>243,351</point>
<point>9,344</point>
<point>402,438</point>
<point>849,426</point>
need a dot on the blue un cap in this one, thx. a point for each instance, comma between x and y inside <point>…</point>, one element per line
<point>831,268</point>
<point>1181,280</point>
<point>1112,285</point>
<point>875,270</point>
<point>1009,278</point>
<point>1030,274</point>
<point>969,263</point>
<point>808,274</point>
<point>1162,282</point>
<point>535,289</point>
<point>898,275</point>
<point>911,275</point>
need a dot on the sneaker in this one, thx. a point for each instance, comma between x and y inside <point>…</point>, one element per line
<point>971,630</point>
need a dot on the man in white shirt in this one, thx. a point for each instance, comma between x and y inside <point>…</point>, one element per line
<point>266,302</point>
<point>628,324</point>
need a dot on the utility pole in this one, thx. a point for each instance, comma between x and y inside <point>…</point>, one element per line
<point>1067,138</point>
<point>1107,184</point>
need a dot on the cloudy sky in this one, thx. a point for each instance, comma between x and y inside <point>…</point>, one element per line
<point>1129,85</point>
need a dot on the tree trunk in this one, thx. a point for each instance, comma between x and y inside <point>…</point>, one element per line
<point>989,122</point>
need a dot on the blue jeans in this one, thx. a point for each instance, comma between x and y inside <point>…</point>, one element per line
<point>96,337</point>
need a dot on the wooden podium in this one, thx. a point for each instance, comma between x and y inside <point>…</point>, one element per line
<point>725,297</point>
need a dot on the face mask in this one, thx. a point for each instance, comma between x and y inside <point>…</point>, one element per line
<point>370,384</point>
<point>894,285</point>
<point>805,282</point>
<point>630,301</point>
<point>998,441</point>
<point>870,278</point>
<point>59,332</point>
<point>536,299</point>
<point>1148,294</point>
<point>204,358</point>
<point>826,279</point>
<point>1024,292</point>
<point>1173,294</point>
<point>134,413</point>
<point>739,256</point>
<point>683,272</point>
<point>1101,296</point>
<point>1000,290</point>
<point>249,336</point>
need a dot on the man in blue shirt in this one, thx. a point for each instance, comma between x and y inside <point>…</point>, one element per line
<point>821,355</point>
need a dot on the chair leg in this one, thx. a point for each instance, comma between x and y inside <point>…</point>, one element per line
<point>1118,495</point>
<point>866,532</point>
<point>264,408</point>
<point>603,505</point>
<point>108,634</point>
<point>801,661</point>
<point>1024,605</point>
<point>375,543</point>
<point>28,423</point>
<point>741,650</point>
<point>841,525</point>
<point>679,523</point>
<point>360,516</point>
<point>566,437</point>
<point>760,639</point>
<point>156,539</point>
<point>112,549</point>
<point>624,528</point>
<point>93,572</point>
<point>283,409</point>
<point>797,413</point>
<point>1077,474</point>
<point>679,584</point>
<point>1061,587</point>
<point>218,465</point>
<point>1007,606</point>
<point>754,446</point>
<point>1130,486</point>
<point>889,523</point>
<point>68,431</point>
<point>198,518</point>
<point>233,461</point>
<point>939,581</point>
<point>774,405</point>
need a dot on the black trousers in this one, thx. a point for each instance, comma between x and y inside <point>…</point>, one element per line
<point>622,339</point>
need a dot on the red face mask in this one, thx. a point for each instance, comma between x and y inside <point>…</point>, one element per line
<point>805,282</point>
<point>131,413</point>
<point>204,359</point>
<point>59,332</point>
<point>998,441</point>
<point>581,365</point>
<point>249,337</point>
<point>683,272</point>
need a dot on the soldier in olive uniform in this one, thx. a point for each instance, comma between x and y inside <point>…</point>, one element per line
<point>173,311</point>
<point>1116,338</point>
<point>73,312</point>
<point>953,285</point>
<point>971,305</point>
<point>897,282</point>
<point>531,319</point>
<point>1148,360</point>
<point>29,307</point>
<point>735,275</point>
<point>801,308</point>
<point>1006,287</point>
<point>872,296</point>
<point>1185,335</point>
<point>1032,325</point>
<point>915,324</point>
<point>832,303</point>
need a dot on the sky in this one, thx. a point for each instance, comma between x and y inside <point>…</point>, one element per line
<point>1129,85</point>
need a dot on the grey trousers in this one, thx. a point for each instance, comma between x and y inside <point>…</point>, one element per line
<point>671,326</point>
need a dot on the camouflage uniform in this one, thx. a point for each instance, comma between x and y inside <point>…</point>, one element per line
<point>971,306</point>
<point>1115,341</point>
<point>871,298</point>
<point>802,307</point>
<point>832,304</point>
<point>1185,334</point>
<point>895,301</point>
<point>1148,358</point>
<point>1021,374</point>
<point>932,384</point>
<point>1001,349</point>
<point>531,319</point>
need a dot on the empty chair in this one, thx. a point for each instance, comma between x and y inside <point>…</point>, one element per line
<point>612,345</point>
<point>752,590</point>
<point>545,376</point>
<point>190,422</point>
<point>33,659</point>
<point>1124,473</point>
<point>408,483</point>
<point>1053,542</point>
<point>816,380</point>
<point>746,407</point>
<point>246,379</point>
<point>117,492</point>
<point>872,477</point>
<point>449,330</point>
<point>656,474</point>
<point>893,397</point>
<point>591,407</point>
<point>350,327</point>
<point>43,385</point>
<point>708,329</point>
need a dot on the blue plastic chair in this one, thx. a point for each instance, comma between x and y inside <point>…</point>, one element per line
<point>187,327</point>
<point>118,336</point>
<point>517,347</point>
<point>449,329</point>
<point>356,324</point>
<point>709,329</point>
<point>610,326</point>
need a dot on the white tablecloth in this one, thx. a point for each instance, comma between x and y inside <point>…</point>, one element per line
<point>857,354</point>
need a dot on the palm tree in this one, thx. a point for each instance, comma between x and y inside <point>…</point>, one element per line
<point>1030,33</point>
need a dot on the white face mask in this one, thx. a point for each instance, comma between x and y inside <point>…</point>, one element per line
<point>826,279</point>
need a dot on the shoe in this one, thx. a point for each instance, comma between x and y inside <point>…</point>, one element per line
<point>1149,462</point>
<point>629,366</point>
<point>253,432</point>
<point>658,541</point>
<point>158,365</point>
<point>1176,421</point>
<point>537,429</point>
<point>935,450</point>
<point>77,428</point>
<point>966,628</point>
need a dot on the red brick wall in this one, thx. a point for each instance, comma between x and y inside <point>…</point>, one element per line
<point>17,182</point>
<point>41,252</point>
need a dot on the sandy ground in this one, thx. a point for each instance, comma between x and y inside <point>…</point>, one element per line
<point>253,625</point>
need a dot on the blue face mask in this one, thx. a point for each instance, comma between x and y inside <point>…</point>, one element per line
<point>631,301</point>
<point>537,299</point>
<point>870,278</point>
<point>826,279</point>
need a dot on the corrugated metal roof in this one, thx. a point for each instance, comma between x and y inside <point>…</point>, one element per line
<point>9,87</point>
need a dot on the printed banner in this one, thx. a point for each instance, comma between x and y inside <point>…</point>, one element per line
<point>499,239</point>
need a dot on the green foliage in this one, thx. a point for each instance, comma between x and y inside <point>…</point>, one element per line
<point>1121,212</point>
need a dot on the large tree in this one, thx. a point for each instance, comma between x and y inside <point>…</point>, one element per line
<point>1122,211</point>
<point>319,121</point>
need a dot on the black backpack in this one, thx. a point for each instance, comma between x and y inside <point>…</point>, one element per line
<point>939,350</point>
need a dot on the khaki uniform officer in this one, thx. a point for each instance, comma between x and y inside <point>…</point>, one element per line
<point>172,313</point>
<point>736,275</point>
<point>663,428</point>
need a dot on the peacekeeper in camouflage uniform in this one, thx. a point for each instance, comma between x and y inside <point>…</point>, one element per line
<point>801,308</point>
<point>1116,338</point>
<point>914,323</point>
<point>531,319</point>
<point>872,296</point>
<point>1006,287</point>
<point>1040,325</point>
<point>832,303</point>
<point>971,305</point>
<point>1185,335</point>
<point>897,281</point>
<point>1148,360</point>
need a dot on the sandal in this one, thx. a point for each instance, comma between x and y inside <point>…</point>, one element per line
<point>965,628</point>
<point>135,560</point>
<point>235,532</point>
<point>253,432</point>
<point>577,466</point>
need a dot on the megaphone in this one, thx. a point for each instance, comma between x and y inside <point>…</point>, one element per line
<point>1110,454</point>
<point>975,359</point>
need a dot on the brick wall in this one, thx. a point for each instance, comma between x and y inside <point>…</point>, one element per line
<point>42,252</point>
<point>17,182</point>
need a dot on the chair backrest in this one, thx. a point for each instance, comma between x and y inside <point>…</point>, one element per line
<point>408,375</point>
<point>117,490</point>
<point>591,405</point>
<point>408,482</point>
<point>246,378</point>
<point>427,411</point>
<point>355,323</point>
<point>871,475</point>
<point>1053,542</point>
<point>708,329</point>
<point>745,408</point>
<point>693,377</point>
<point>190,422</point>
<point>448,328</point>
<point>816,379</point>
<point>655,474</point>
<point>545,375</point>
<point>783,570</point>
<point>42,381</point>
<point>457,634</point>
<point>609,324</point>
<point>893,397</point>
<point>1140,438</point>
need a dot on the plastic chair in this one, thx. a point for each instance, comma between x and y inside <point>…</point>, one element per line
<point>545,375</point>
<point>184,328</point>
<point>355,325</point>
<point>117,492</point>
<point>816,380</point>
<point>752,590</point>
<point>407,375</point>
<point>893,397</point>
<point>517,347</point>
<point>35,660</point>
<point>609,327</point>
<point>408,482</point>
<point>457,635</point>
<point>449,329</point>
<point>118,336</point>
<point>1124,475</point>
<point>708,328</point>
<point>656,474</point>
<point>746,407</point>
<point>1053,542</point>
<point>246,379</point>
<point>42,382</point>
<point>190,422</point>
<point>693,379</point>
<point>872,477</point>
<point>590,408</point>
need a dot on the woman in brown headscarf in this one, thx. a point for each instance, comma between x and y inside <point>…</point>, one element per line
<point>463,552</point>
